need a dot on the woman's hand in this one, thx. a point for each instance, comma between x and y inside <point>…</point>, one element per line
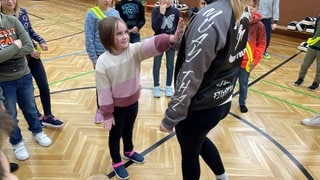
<point>163,129</point>
<point>108,124</point>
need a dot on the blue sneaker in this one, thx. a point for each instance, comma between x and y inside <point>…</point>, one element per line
<point>135,157</point>
<point>120,171</point>
<point>156,92</point>
<point>169,91</point>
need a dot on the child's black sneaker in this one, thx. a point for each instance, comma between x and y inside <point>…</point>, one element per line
<point>120,170</point>
<point>298,82</point>
<point>313,87</point>
<point>14,167</point>
<point>133,156</point>
<point>51,121</point>
<point>243,108</point>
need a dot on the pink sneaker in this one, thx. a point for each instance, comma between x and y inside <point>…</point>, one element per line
<point>98,119</point>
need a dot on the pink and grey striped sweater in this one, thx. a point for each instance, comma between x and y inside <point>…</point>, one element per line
<point>118,76</point>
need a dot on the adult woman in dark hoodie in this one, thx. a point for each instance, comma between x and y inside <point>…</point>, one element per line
<point>206,71</point>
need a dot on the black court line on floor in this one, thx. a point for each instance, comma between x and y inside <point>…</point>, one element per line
<point>273,141</point>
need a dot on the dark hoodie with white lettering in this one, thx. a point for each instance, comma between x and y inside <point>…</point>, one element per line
<point>208,61</point>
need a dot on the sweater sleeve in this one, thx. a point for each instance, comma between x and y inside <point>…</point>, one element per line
<point>118,8</point>
<point>89,31</point>
<point>8,52</point>
<point>275,11</point>
<point>155,45</point>
<point>27,46</point>
<point>260,43</point>
<point>1,97</point>
<point>24,19</point>
<point>156,20</point>
<point>142,19</point>
<point>104,91</point>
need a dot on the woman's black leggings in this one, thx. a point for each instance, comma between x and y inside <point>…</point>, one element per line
<point>192,136</point>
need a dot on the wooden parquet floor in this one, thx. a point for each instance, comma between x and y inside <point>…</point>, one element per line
<point>268,142</point>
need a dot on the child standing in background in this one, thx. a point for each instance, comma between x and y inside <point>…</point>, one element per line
<point>254,52</point>
<point>132,12</point>
<point>94,47</point>
<point>16,83</point>
<point>269,10</point>
<point>164,19</point>
<point>118,84</point>
<point>313,52</point>
<point>35,63</point>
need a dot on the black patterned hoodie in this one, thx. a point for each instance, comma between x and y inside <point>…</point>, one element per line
<point>208,61</point>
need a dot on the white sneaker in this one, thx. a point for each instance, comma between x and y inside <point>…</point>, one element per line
<point>42,139</point>
<point>20,151</point>
<point>315,121</point>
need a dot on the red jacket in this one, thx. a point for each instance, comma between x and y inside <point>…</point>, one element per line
<point>256,39</point>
